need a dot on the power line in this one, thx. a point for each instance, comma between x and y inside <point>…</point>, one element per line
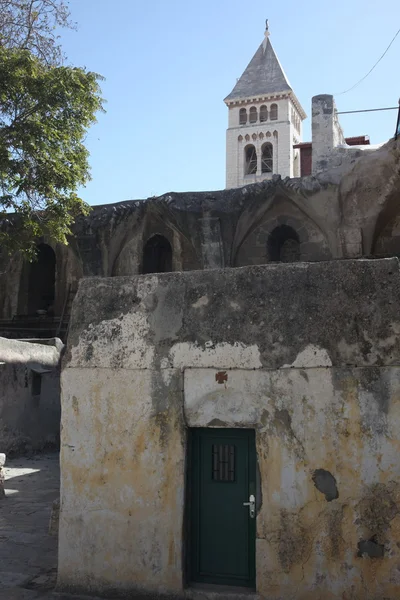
<point>370,71</point>
<point>347,112</point>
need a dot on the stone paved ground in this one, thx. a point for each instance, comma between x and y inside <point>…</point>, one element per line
<point>28,554</point>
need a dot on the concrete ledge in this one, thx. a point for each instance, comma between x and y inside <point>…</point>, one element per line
<point>31,353</point>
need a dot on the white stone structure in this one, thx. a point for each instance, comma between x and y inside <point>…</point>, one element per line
<point>265,121</point>
<point>329,147</point>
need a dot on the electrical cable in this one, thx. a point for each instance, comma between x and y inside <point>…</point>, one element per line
<point>347,112</point>
<point>370,71</point>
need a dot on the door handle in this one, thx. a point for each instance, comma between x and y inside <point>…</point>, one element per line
<point>252,506</point>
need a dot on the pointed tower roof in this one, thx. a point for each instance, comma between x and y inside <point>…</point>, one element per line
<point>263,75</point>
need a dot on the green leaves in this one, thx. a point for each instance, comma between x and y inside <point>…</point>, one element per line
<point>45,112</point>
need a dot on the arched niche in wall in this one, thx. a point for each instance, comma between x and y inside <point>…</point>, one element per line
<point>283,233</point>
<point>38,283</point>
<point>283,244</point>
<point>387,241</point>
<point>242,116</point>
<point>273,112</point>
<point>267,158</point>
<point>250,160</point>
<point>157,255</point>
<point>263,113</point>
<point>180,238</point>
<point>253,116</point>
<point>386,235</point>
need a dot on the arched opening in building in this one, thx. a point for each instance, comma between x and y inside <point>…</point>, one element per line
<point>42,281</point>
<point>242,116</point>
<point>157,255</point>
<point>283,245</point>
<point>263,114</point>
<point>250,160</point>
<point>267,158</point>
<point>253,115</point>
<point>273,113</point>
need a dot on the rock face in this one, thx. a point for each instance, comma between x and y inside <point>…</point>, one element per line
<point>306,355</point>
<point>345,212</point>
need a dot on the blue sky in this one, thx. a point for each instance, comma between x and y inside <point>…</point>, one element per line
<point>168,66</point>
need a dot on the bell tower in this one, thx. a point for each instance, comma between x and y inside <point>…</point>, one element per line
<point>264,122</point>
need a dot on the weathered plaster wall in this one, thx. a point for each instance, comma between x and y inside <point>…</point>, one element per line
<point>30,409</point>
<point>312,359</point>
<point>327,442</point>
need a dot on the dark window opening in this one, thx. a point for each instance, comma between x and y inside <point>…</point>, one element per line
<point>263,114</point>
<point>42,281</point>
<point>273,115</point>
<point>157,255</point>
<point>242,116</point>
<point>250,160</point>
<point>223,462</point>
<point>36,383</point>
<point>267,158</point>
<point>253,115</point>
<point>284,245</point>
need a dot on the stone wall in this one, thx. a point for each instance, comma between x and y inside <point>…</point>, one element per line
<point>345,212</point>
<point>29,396</point>
<point>310,355</point>
<point>329,147</point>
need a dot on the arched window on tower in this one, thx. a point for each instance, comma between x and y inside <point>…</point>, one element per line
<point>283,245</point>
<point>253,115</point>
<point>157,255</point>
<point>42,281</point>
<point>242,116</point>
<point>273,113</point>
<point>250,158</point>
<point>263,113</point>
<point>267,158</point>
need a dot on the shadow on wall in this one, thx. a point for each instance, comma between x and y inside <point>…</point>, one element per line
<point>30,409</point>
<point>386,239</point>
<point>38,281</point>
<point>157,255</point>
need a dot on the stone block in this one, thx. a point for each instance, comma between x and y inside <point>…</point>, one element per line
<point>351,242</point>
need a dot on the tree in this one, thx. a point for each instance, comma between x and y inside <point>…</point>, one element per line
<point>32,25</point>
<point>44,115</point>
<point>45,111</point>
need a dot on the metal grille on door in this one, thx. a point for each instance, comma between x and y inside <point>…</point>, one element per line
<point>223,462</point>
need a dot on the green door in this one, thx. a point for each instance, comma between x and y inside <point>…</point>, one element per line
<point>223,469</point>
